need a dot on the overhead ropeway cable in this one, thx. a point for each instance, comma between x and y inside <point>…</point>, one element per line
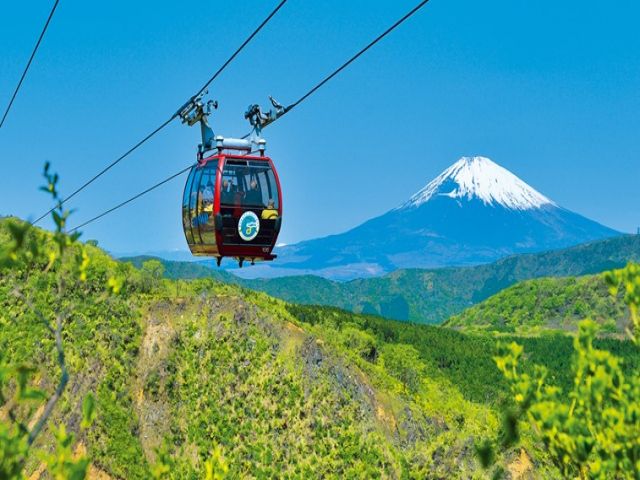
<point>26,69</point>
<point>135,197</point>
<point>348,62</point>
<point>172,117</point>
<point>238,50</point>
<point>357,55</point>
<point>288,109</point>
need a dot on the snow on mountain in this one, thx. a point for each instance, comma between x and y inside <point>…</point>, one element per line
<point>481,178</point>
<point>474,212</point>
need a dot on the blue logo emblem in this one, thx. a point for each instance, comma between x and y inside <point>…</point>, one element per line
<point>248,226</point>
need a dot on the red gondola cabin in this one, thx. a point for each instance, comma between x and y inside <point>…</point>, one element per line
<point>232,207</point>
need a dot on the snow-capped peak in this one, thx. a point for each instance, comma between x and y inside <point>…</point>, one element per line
<point>481,178</point>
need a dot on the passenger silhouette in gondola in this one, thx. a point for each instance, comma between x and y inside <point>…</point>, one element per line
<point>270,213</point>
<point>227,194</point>
<point>253,196</point>
<point>207,198</point>
<point>200,215</point>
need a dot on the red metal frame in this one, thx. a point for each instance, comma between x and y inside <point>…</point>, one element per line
<point>247,252</point>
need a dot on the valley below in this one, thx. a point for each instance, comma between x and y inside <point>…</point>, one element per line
<point>319,241</point>
<point>195,376</point>
<point>429,296</point>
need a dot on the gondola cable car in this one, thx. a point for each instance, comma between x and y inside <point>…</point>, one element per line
<point>232,202</point>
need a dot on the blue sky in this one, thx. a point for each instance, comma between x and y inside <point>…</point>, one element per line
<point>547,89</point>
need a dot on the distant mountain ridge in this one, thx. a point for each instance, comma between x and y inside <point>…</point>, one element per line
<point>432,295</point>
<point>474,212</point>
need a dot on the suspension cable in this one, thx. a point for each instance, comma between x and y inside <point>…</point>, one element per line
<point>135,197</point>
<point>239,49</point>
<point>26,69</point>
<point>288,109</point>
<point>105,169</point>
<point>350,61</point>
<point>170,119</point>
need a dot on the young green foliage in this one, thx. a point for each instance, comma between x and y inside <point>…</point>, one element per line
<point>593,430</point>
<point>403,362</point>
<point>628,280</point>
<point>23,255</point>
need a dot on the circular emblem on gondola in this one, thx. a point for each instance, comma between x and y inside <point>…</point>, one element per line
<point>248,226</point>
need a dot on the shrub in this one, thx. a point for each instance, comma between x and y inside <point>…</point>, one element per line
<point>592,430</point>
<point>403,362</point>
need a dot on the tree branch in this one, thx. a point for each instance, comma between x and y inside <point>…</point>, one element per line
<point>64,379</point>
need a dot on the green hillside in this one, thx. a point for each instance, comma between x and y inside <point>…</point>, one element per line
<point>432,296</point>
<point>182,270</point>
<point>466,360</point>
<point>195,375</point>
<point>547,303</point>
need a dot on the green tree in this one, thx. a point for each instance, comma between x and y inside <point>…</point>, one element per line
<point>361,343</point>
<point>403,362</point>
<point>16,395</point>
<point>628,280</point>
<point>152,272</point>
<point>593,430</point>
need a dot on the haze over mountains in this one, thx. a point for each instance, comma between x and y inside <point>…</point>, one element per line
<point>473,212</point>
<point>426,295</point>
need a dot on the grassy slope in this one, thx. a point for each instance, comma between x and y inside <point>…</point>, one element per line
<point>192,366</point>
<point>547,303</point>
<point>101,336</point>
<point>432,296</point>
<point>186,367</point>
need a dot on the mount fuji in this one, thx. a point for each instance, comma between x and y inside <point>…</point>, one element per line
<point>474,212</point>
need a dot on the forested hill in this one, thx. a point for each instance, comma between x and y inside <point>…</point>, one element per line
<point>199,376</point>
<point>546,304</point>
<point>432,296</point>
<point>185,270</point>
<point>189,376</point>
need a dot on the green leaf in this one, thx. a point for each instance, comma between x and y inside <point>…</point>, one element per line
<point>88,411</point>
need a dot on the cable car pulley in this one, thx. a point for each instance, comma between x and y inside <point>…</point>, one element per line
<point>232,202</point>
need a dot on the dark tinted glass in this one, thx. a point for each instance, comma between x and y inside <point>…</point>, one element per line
<point>186,216</point>
<point>206,190</point>
<point>248,183</point>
